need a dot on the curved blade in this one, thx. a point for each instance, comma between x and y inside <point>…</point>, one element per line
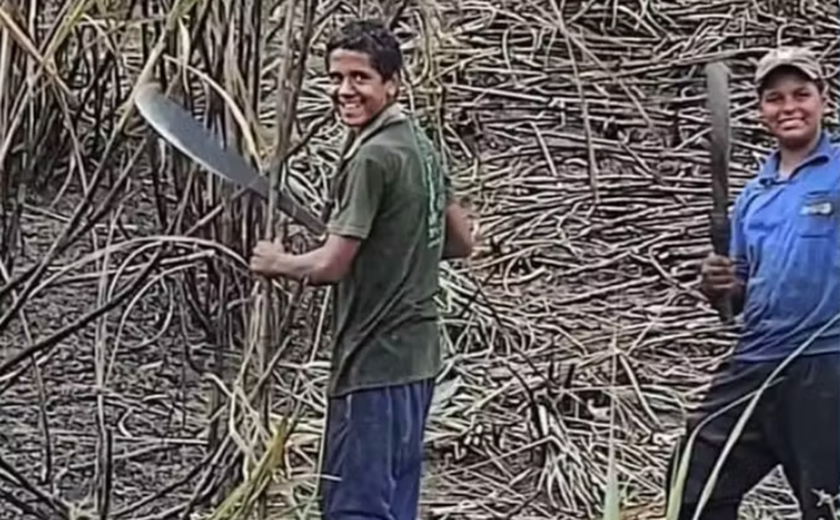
<point>174,124</point>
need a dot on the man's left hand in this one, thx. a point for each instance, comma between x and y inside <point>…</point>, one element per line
<point>267,257</point>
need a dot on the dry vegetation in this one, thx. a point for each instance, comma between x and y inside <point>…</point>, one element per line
<point>575,129</point>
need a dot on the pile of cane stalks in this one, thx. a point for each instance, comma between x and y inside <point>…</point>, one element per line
<point>144,373</point>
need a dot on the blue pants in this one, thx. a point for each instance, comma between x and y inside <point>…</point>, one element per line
<point>374,452</point>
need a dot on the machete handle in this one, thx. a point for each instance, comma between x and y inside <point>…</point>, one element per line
<point>720,231</point>
<point>723,305</point>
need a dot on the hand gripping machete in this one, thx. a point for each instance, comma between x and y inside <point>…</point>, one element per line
<point>717,85</point>
<point>174,124</point>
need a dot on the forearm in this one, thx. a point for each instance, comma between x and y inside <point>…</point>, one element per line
<point>458,240</point>
<point>309,266</point>
<point>452,249</point>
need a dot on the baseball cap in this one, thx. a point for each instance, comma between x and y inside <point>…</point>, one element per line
<point>799,58</point>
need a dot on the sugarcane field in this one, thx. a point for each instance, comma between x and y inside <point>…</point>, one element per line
<point>160,156</point>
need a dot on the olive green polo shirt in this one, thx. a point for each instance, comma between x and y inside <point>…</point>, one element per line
<point>390,194</point>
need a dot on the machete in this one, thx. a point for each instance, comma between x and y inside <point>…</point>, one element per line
<point>717,85</point>
<point>175,125</point>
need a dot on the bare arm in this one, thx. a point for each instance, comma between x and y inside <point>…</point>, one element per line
<point>358,199</point>
<point>327,264</point>
<point>459,240</point>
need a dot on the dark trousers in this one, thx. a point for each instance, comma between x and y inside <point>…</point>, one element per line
<point>374,452</point>
<point>796,425</point>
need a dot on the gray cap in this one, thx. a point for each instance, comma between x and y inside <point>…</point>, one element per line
<point>797,57</point>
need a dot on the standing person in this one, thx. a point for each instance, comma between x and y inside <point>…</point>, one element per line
<point>783,275</point>
<point>394,220</point>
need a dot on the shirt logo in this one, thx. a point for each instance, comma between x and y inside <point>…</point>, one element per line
<point>817,208</point>
<point>433,181</point>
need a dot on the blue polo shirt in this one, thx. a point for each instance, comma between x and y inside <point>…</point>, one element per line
<point>786,247</point>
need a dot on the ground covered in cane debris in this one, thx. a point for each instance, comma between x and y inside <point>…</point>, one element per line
<point>576,132</point>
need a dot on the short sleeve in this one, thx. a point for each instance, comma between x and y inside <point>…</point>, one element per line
<point>359,193</point>
<point>738,240</point>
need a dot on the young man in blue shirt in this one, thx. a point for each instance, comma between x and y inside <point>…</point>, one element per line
<point>783,277</point>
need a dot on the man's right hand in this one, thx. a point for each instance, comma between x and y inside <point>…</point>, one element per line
<point>717,276</point>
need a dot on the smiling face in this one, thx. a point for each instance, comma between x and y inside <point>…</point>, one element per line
<point>360,92</point>
<point>792,107</point>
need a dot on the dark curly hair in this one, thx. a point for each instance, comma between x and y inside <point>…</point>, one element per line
<point>373,38</point>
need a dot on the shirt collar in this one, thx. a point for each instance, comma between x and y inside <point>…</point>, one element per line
<point>821,152</point>
<point>391,114</point>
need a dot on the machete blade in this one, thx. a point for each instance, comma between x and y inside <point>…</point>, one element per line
<point>174,124</point>
<point>717,97</point>
<point>717,82</point>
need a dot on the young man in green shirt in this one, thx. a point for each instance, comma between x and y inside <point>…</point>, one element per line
<point>393,221</point>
